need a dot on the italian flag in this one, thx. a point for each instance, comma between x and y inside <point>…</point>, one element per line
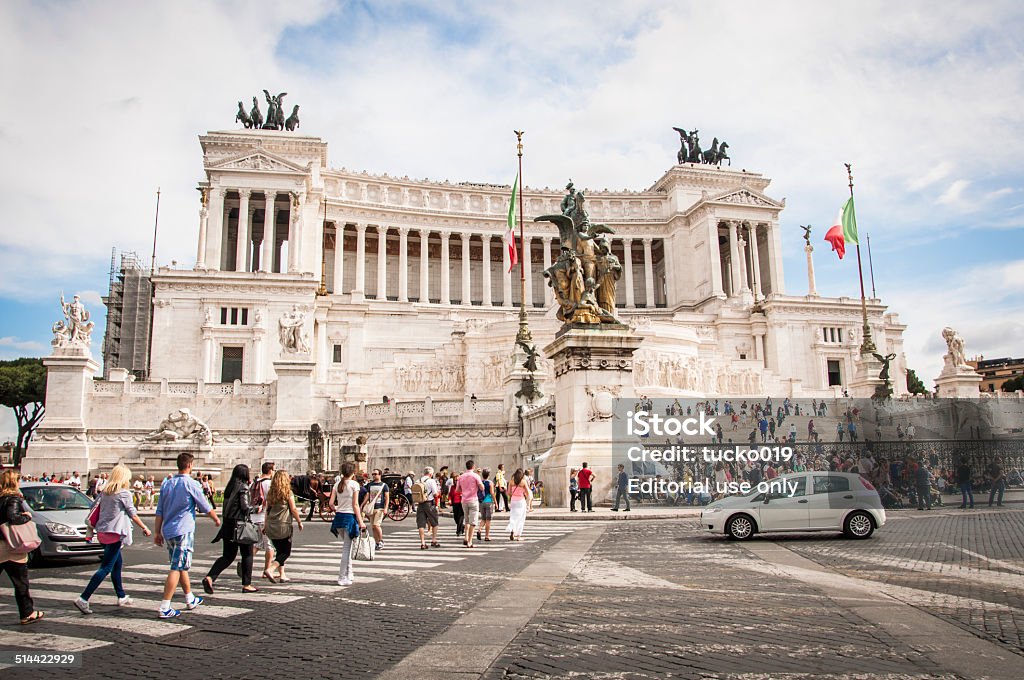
<point>844,230</point>
<point>510,233</point>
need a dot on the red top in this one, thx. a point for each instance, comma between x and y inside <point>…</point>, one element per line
<point>454,495</point>
<point>584,476</point>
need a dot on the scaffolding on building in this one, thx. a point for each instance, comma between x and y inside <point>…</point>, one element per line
<point>129,304</point>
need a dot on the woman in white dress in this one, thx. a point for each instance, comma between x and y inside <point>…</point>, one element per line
<point>520,501</point>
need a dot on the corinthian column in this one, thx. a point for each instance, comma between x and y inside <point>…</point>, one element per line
<point>403,264</point>
<point>204,215</point>
<point>360,283</point>
<point>243,230</point>
<point>487,269</point>
<point>465,269</point>
<point>424,265</point>
<point>648,273</point>
<point>382,262</point>
<point>734,257</point>
<point>755,263</point>
<point>446,297</point>
<point>215,230</point>
<point>627,256</point>
<point>269,232</point>
<point>339,258</point>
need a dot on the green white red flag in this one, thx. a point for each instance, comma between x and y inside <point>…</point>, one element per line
<point>510,233</point>
<point>844,230</point>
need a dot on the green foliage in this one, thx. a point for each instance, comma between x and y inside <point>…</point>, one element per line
<point>23,389</point>
<point>1013,384</point>
<point>914,384</point>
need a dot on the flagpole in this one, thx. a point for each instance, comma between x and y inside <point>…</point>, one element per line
<point>871,268</point>
<point>524,329</point>
<point>867,346</point>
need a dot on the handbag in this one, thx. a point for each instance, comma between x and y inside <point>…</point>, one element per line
<point>363,548</point>
<point>246,533</point>
<point>20,538</point>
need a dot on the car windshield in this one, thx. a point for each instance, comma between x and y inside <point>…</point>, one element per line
<point>56,498</point>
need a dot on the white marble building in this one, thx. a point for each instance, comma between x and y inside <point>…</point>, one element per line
<point>417,304</point>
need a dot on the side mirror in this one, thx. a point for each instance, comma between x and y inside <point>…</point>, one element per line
<point>766,499</point>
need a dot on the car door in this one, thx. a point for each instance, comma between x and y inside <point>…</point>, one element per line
<point>831,498</point>
<point>782,512</point>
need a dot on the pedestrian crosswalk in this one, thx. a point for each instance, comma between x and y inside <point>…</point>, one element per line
<point>312,570</point>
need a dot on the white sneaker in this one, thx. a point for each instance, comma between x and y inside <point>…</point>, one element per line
<point>344,582</point>
<point>83,605</point>
<point>125,601</point>
<point>196,601</point>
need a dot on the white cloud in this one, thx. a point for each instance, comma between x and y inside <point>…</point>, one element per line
<point>111,97</point>
<point>11,343</point>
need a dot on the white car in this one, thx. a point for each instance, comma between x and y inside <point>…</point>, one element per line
<point>811,501</point>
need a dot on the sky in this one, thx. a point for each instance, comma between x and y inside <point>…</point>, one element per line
<point>925,99</point>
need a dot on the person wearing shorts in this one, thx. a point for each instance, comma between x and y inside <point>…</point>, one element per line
<point>470,488</point>
<point>373,499</point>
<point>426,511</point>
<point>486,506</point>
<point>175,526</point>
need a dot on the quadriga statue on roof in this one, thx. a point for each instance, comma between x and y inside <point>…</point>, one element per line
<point>584,276</point>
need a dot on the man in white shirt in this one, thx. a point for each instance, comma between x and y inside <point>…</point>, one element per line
<point>426,509</point>
<point>75,480</point>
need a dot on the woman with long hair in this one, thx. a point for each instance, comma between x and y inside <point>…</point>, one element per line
<point>455,497</point>
<point>236,509</point>
<point>520,499</point>
<point>348,518</point>
<point>281,511</point>
<point>14,511</point>
<point>113,530</point>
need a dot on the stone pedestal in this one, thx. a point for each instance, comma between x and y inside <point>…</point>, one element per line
<point>592,369</point>
<point>288,435</point>
<point>958,382</point>
<point>60,443</point>
<point>865,377</point>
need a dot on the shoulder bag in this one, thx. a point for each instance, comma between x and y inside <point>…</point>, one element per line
<point>363,548</point>
<point>20,538</point>
<point>246,533</point>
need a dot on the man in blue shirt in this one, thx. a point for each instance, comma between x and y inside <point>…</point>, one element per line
<point>176,523</point>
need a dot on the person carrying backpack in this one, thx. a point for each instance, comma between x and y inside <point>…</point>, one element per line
<point>486,506</point>
<point>258,493</point>
<point>424,494</point>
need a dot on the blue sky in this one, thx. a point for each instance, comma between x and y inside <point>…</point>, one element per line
<point>925,99</point>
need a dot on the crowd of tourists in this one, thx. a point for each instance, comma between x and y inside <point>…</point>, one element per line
<point>258,515</point>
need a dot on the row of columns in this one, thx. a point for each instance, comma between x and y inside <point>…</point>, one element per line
<point>403,266</point>
<point>213,218</point>
<point>743,253</point>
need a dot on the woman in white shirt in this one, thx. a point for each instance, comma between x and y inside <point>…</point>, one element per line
<point>348,520</point>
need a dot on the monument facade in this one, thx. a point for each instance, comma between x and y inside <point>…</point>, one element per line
<point>383,308</point>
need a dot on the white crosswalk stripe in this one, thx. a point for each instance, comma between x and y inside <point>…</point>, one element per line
<point>312,570</point>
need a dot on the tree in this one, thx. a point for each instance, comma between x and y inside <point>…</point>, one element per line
<point>1013,384</point>
<point>23,388</point>
<point>914,384</point>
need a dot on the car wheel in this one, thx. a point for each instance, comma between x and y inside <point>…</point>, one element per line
<point>741,527</point>
<point>859,525</point>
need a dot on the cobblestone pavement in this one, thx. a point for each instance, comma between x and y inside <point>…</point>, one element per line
<point>965,566</point>
<point>649,599</point>
<point>309,628</point>
<point>664,600</point>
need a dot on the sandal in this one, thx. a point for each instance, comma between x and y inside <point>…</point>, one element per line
<point>267,575</point>
<point>423,546</point>
<point>435,544</point>
<point>250,589</point>
<point>32,618</point>
<point>208,585</point>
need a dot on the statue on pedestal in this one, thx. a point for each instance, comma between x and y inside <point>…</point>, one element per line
<point>255,116</point>
<point>76,328</point>
<point>179,425</point>
<point>954,357</point>
<point>807,233</point>
<point>292,332</point>
<point>242,116</point>
<point>584,275</point>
